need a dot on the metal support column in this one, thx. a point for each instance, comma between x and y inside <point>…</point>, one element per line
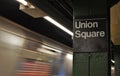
<point>91,42</point>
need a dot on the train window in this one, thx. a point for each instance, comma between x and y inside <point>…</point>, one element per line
<point>29,67</point>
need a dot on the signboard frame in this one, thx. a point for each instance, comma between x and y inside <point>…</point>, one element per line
<point>91,35</point>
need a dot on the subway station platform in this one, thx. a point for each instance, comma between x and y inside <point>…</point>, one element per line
<point>59,38</point>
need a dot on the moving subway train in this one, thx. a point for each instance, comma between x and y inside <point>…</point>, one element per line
<point>26,53</point>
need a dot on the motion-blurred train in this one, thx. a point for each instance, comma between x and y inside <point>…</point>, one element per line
<point>26,53</point>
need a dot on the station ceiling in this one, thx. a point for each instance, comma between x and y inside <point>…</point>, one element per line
<point>60,10</point>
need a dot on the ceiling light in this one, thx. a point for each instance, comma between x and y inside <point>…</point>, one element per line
<point>46,47</point>
<point>112,61</point>
<point>23,2</point>
<point>112,68</point>
<point>58,25</point>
